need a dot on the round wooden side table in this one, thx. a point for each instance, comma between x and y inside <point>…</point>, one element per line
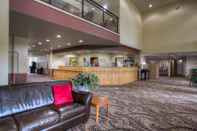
<point>98,102</point>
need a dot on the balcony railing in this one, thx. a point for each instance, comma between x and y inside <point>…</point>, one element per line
<point>89,10</point>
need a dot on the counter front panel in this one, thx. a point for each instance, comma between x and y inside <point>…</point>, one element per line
<point>107,76</point>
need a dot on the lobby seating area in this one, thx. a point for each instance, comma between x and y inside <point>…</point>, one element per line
<point>142,105</point>
<point>30,107</point>
<point>98,65</point>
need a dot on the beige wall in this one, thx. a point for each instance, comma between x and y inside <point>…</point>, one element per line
<point>21,47</point>
<point>131,25</point>
<point>57,60</point>
<point>4,41</point>
<point>63,59</point>
<point>171,30</point>
<point>20,55</point>
<point>105,59</point>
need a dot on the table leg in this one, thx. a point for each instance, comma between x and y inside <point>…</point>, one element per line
<point>107,120</point>
<point>97,114</point>
<point>108,111</point>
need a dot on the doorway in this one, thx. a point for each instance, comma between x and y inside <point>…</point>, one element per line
<point>172,68</point>
<point>178,67</point>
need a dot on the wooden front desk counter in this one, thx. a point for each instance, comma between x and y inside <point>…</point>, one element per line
<point>107,76</point>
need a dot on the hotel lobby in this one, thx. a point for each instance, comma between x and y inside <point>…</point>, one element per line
<point>98,65</point>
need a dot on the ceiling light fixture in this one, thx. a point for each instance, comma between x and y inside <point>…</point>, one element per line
<point>39,43</point>
<point>59,46</point>
<point>47,40</point>
<point>80,41</point>
<point>180,61</point>
<point>68,44</point>
<point>58,36</point>
<point>111,19</point>
<point>150,5</point>
<point>105,7</point>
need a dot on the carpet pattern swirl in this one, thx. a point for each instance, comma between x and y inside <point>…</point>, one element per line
<point>146,106</point>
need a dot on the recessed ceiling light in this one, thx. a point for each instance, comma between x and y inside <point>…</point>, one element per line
<point>59,46</point>
<point>105,7</point>
<point>68,44</point>
<point>80,41</point>
<point>150,5</point>
<point>39,43</point>
<point>180,61</point>
<point>59,36</point>
<point>47,40</point>
<point>93,8</point>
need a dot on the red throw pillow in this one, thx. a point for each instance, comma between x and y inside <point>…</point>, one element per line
<point>62,94</point>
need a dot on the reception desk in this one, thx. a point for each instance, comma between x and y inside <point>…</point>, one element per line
<point>107,76</point>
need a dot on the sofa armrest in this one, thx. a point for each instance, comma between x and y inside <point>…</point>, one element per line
<point>81,97</point>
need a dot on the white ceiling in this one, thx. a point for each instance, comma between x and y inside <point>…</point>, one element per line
<point>36,31</point>
<point>143,5</point>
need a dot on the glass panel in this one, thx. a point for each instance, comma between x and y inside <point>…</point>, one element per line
<point>111,5</point>
<point>47,1</point>
<point>92,13</point>
<point>110,22</point>
<point>72,6</point>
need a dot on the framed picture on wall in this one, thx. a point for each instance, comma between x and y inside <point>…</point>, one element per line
<point>73,61</point>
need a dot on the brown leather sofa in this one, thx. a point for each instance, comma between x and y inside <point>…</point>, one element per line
<point>29,107</point>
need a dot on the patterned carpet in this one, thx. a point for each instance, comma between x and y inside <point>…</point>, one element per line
<point>179,81</point>
<point>146,106</point>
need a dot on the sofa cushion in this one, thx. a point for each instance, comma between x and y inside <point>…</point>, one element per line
<point>8,124</point>
<point>62,94</point>
<point>36,120</point>
<point>16,100</point>
<point>71,110</point>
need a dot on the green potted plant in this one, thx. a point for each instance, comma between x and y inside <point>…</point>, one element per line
<point>86,82</point>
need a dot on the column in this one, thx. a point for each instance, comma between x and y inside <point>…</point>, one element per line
<point>50,58</point>
<point>4,41</point>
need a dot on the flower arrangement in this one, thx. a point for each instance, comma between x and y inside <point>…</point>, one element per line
<point>86,81</point>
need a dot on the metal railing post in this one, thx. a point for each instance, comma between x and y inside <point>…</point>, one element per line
<point>117,30</point>
<point>82,11</point>
<point>103,18</point>
<point>100,8</point>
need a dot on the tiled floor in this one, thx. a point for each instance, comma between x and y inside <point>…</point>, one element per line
<point>37,78</point>
<point>146,106</point>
